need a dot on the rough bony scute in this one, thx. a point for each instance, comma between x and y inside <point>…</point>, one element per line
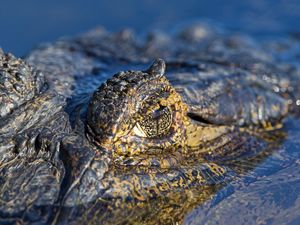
<point>19,83</point>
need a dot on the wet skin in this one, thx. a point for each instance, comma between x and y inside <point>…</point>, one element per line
<point>80,145</point>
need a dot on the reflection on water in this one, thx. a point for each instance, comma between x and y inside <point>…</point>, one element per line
<point>271,198</point>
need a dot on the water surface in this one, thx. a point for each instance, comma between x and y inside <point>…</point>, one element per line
<point>24,24</point>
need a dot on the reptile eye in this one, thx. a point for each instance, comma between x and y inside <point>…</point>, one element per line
<point>154,124</point>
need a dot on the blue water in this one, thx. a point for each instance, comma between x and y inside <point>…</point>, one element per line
<point>24,24</point>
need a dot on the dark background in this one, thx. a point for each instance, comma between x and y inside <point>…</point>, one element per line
<point>26,23</point>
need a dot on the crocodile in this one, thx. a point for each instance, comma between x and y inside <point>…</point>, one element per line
<point>148,144</point>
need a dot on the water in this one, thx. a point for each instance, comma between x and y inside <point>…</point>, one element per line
<point>273,198</point>
<point>24,24</point>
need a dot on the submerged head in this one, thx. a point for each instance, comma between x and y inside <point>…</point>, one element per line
<point>139,111</point>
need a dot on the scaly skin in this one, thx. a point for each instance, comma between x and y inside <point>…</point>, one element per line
<point>72,152</point>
